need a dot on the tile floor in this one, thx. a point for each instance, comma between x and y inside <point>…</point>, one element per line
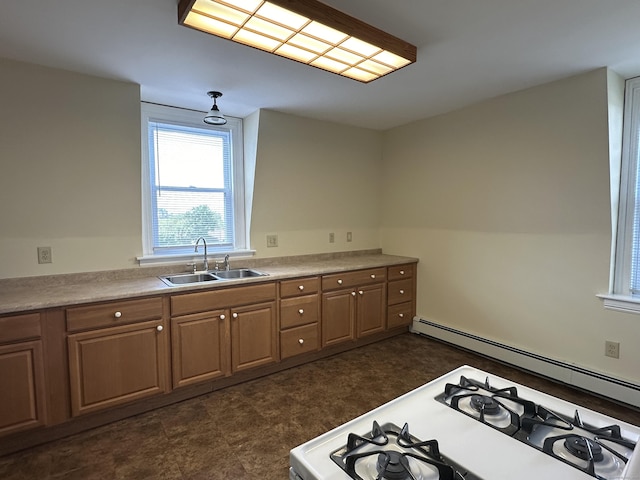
<point>246,431</point>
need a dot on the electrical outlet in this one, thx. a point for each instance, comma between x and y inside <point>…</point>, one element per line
<point>332,237</point>
<point>349,237</point>
<point>44,255</point>
<point>612,349</point>
<point>272,240</point>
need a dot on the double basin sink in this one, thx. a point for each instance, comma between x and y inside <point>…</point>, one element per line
<point>192,278</point>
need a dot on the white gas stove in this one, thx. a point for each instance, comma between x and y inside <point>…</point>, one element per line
<point>472,425</point>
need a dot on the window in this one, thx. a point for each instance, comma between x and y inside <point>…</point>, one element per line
<point>626,275</point>
<point>193,183</point>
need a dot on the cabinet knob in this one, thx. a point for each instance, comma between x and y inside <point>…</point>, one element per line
<point>401,292</point>
<point>301,311</point>
<point>401,315</point>
<point>301,287</point>
<point>373,275</point>
<point>353,294</point>
<point>222,317</point>
<point>117,314</point>
<point>360,292</point>
<point>159,328</point>
<point>301,341</point>
<point>339,282</point>
<point>234,315</point>
<point>401,272</point>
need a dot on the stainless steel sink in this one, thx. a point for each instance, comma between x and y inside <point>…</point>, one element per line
<point>236,273</point>
<point>187,278</point>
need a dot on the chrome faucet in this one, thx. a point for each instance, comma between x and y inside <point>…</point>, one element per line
<point>206,261</point>
<point>226,262</point>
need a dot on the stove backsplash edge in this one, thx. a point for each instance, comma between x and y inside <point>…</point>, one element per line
<point>610,387</point>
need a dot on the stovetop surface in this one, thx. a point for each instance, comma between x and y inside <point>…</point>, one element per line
<point>488,453</point>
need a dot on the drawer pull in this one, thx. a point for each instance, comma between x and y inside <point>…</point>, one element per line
<point>301,311</point>
<point>373,275</point>
<point>353,294</point>
<point>401,272</point>
<point>361,292</point>
<point>117,314</point>
<point>401,292</point>
<point>301,341</point>
<point>301,287</point>
<point>339,282</point>
<point>222,317</point>
<point>234,315</point>
<point>159,328</point>
<point>401,315</point>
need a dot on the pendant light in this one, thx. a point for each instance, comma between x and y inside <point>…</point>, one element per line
<point>215,116</point>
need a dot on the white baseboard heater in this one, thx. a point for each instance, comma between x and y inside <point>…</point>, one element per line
<point>570,374</point>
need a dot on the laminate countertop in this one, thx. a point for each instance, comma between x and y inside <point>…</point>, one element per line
<point>36,293</point>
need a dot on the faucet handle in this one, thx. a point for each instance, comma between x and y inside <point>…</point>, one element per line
<point>192,267</point>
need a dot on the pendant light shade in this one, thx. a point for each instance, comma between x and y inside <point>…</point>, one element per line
<point>215,116</point>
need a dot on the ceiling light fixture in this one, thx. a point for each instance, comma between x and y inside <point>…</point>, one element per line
<point>215,116</point>
<point>307,31</point>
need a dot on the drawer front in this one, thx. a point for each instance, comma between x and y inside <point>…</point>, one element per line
<point>398,272</point>
<point>400,291</point>
<point>399,315</point>
<point>299,340</point>
<point>113,313</point>
<point>299,286</point>
<point>20,327</point>
<point>353,279</point>
<point>299,311</point>
<point>222,298</point>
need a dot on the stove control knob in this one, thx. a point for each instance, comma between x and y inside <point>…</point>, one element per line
<point>301,341</point>
<point>301,287</point>
<point>117,314</point>
<point>339,282</point>
<point>159,328</point>
<point>301,311</point>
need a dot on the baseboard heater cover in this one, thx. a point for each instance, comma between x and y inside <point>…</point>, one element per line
<point>610,387</point>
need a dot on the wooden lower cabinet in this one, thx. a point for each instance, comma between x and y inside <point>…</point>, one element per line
<point>22,397</point>
<point>371,307</point>
<point>254,336</point>
<point>200,347</point>
<point>112,366</point>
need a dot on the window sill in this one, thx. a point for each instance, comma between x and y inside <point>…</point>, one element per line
<point>621,303</point>
<point>191,257</point>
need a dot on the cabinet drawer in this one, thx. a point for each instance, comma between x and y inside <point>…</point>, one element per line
<point>222,298</point>
<point>299,340</point>
<point>299,286</point>
<point>399,315</point>
<point>20,327</point>
<point>398,272</point>
<point>114,313</point>
<point>400,291</point>
<point>353,279</point>
<point>299,311</point>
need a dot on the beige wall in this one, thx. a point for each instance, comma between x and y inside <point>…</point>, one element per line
<point>506,203</point>
<point>70,171</point>
<point>313,178</point>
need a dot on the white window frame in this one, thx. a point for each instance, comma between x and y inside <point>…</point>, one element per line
<point>153,112</point>
<point>620,297</point>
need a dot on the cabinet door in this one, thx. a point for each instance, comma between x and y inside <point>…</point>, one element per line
<point>111,366</point>
<point>338,316</point>
<point>254,340</point>
<point>22,398</point>
<point>200,347</point>
<point>371,309</point>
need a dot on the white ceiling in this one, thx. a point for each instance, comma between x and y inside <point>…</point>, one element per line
<point>468,50</point>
